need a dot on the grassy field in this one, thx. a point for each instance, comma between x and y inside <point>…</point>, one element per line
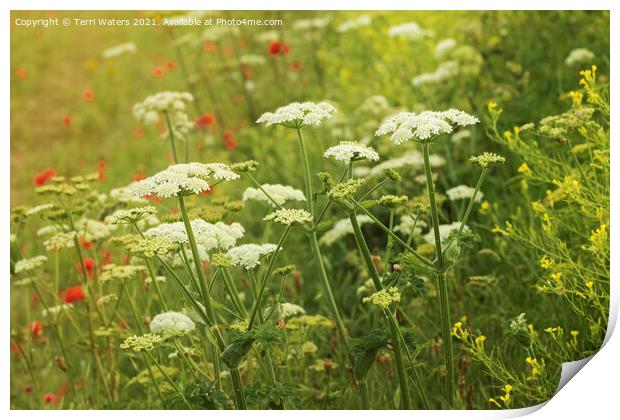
<point>486,324</point>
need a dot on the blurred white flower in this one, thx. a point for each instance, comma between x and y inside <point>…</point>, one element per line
<point>120,49</point>
<point>356,23</point>
<point>579,56</point>
<point>443,47</point>
<point>279,193</point>
<point>463,192</point>
<point>29,264</point>
<point>342,228</point>
<point>410,30</point>
<point>444,232</point>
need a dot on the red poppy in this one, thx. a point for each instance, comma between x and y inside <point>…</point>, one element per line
<point>89,263</point>
<point>88,95</point>
<point>36,328</point>
<point>67,120</point>
<point>209,191</point>
<point>153,198</point>
<point>209,47</point>
<point>278,48</point>
<point>158,72</point>
<point>248,72</point>
<point>101,170</point>
<point>204,120</point>
<point>21,73</point>
<point>50,398</point>
<point>139,176</point>
<point>295,66</point>
<point>171,64</point>
<point>85,244</point>
<point>138,133</point>
<point>72,294</point>
<point>229,140</point>
<point>42,177</point>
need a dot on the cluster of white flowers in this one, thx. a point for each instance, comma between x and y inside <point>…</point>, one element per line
<point>183,179</point>
<point>410,30</point>
<point>579,56</point>
<point>54,311</point>
<point>171,323</point>
<point>173,104</point>
<point>125,195</point>
<point>347,151</point>
<point>461,135</point>
<point>311,24</point>
<point>29,264</point>
<point>278,193</point>
<point>424,126</point>
<point>298,114</point>
<point>443,72</point>
<point>406,225</point>
<point>374,105</point>
<point>248,255</point>
<point>444,232</point>
<point>288,310</point>
<point>39,209</point>
<point>94,230</point>
<point>51,229</point>
<point>59,241</point>
<point>356,23</point>
<point>120,49</point>
<point>289,217</point>
<point>208,235</point>
<point>463,192</point>
<point>267,36</point>
<point>342,228</point>
<point>444,47</point>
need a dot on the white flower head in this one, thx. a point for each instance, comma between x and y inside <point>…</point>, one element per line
<point>208,235</point>
<point>289,217</point>
<point>311,24</point>
<point>425,126</point>
<point>445,71</point>
<point>409,30</point>
<point>444,47</point>
<point>579,56</point>
<point>356,23</point>
<point>172,105</point>
<point>463,192</point>
<point>183,179</point>
<point>29,264</point>
<point>171,324</point>
<point>288,310</point>
<point>248,255</point>
<point>279,193</point>
<point>298,114</point>
<point>348,151</point>
<point>120,49</point>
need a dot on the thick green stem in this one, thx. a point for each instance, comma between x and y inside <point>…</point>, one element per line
<point>431,196</point>
<point>171,137</point>
<point>447,338</point>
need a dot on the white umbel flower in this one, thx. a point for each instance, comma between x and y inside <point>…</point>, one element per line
<point>444,232</point>
<point>126,196</point>
<point>425,126</point>
<point>311,24</point>
<point>279,193</point>
<point>445,71</point>
<point>94,230</point>
<point>120,49</point>
<point>289,217</point>
<point>444,47</point>
<point>183,179</point>
<point>29,264</point>
<point>353,24</point>
<point>298,114</point>
<point>579,56</point>
<point>463,192</point>
<point>410,30</point>
<point>171,104</point>
<point>347,151</point>
<point>171,323</point>
<point>208,235</point>
<point>342,228</point>
<point>406,225</point>
<point>288,310</point>
<point>248,255</point>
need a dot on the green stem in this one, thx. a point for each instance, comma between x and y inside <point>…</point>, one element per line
<point>307,175</point>
<point>260,187</point>
<point>149,265</point>
<point>431,196</point>
<point>171,137</point>
<point>447,338</point>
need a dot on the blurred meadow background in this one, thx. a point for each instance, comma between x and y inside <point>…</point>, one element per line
<point>71,114</point>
